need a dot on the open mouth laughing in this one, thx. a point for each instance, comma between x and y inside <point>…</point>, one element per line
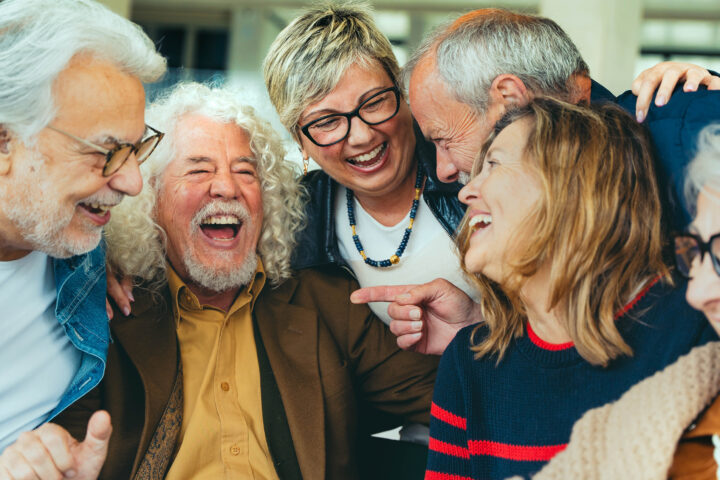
<point>370,159</point>
<point>479,221</point>
<point>221,227</point>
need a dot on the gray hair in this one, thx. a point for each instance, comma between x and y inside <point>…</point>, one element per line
<point>704,170</point>
<point>308,58</point>
<point>472,51</point>
<point>37,40</point>
<point>136,244</point>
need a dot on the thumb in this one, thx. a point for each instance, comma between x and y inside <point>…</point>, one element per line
<point>90,454</point>
<point>98,432</point>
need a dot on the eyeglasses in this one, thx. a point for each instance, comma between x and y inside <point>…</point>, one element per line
<point>690,248</point>
<point>118,155</point>
<point>331,129</point>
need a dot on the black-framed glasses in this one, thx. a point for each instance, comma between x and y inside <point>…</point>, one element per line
<point>690,248</point>
<point>331,129</point>
<point>118,155</point>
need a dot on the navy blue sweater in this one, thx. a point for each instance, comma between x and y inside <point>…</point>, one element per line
<point>495,421</point>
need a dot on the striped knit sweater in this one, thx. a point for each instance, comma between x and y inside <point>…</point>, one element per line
<point>497,420</point>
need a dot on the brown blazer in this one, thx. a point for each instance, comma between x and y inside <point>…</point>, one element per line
<point>328,358</point>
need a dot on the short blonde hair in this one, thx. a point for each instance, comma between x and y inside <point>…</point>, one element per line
<point>597,224</point>
<point>308,58</point>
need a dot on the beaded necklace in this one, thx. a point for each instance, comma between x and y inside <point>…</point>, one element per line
<point>394,259</point>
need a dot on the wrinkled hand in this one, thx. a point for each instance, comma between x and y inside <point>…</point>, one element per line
<point>664,77</point>
<point>120,290</point>
<point>50,452</point>
<point>425,317</point>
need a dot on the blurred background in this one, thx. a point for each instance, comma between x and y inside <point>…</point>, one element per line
<point>226,40</point>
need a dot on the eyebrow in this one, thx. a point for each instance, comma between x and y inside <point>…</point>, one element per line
<point>198,159</point>
<point>329,111</point>
<point>245,159</point>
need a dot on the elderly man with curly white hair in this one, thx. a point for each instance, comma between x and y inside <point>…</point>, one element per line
<point>72,134</point>
<point>230,365</point>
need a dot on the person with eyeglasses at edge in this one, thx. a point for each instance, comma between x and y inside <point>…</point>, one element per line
<point>667,426</point>
<point>72,134</point>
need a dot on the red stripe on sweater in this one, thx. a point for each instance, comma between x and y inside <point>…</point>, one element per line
<point>521,453</point>
<point>448,449</point>
<point>430,475</point>
<point>637,298</point>
<point>448,417</point>
<point>553,347</point>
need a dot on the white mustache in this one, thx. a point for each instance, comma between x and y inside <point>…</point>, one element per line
<point>219,207</point>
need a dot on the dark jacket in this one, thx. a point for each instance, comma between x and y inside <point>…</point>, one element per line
<point>321,359</point>
<point>674,129</point>
<point>317,243</point>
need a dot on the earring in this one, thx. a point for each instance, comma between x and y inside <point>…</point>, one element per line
<point>306,162</point>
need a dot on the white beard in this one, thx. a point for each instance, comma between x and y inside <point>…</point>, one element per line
<point>219,280</point>
<point>33,206</point>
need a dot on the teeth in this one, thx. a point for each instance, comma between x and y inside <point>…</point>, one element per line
<point>102,209</point>
<point>478,219</point>
<point>221,220</point>
<point>367,156</point>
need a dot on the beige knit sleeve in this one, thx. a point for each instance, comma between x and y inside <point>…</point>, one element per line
<point>635,437</point>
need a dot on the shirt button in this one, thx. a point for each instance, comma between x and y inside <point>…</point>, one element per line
<point>235,450</point>
<point>225,386</point>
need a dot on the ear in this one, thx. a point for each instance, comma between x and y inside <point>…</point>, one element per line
<point>5,156</point>
<point>510,91</point>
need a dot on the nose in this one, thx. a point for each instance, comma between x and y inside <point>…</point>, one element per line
<point>222,185</point>
<point>127,179</point>
<point>470,192</point>
<point>704,287</point>
<point>446,170</point>
<point>360,132</point>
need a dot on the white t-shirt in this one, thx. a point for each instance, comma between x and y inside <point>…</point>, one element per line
<point>430,252</point>
<point>37,360</point>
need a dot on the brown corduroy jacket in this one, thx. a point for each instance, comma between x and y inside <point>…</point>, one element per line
<point>321,360</point>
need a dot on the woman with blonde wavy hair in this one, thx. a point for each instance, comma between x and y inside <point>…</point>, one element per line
<point>562,235</point>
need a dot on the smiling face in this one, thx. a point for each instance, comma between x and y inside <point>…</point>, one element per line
<point>500,200</point>
<point>457,132</point>
<point>210,204</point>
<point>703,291</point>
<point>58,197</point>
<point>374,160</point>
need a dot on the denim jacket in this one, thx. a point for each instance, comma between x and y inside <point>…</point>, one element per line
<point>80,308</point>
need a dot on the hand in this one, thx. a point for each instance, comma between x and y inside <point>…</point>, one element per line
<point>425,317</point>
<point>667,75</point>
<point>120,290</point>
<point>50,452</point>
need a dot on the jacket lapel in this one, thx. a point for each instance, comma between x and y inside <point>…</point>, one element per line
<point>289,334</point>
<point>149,339</point>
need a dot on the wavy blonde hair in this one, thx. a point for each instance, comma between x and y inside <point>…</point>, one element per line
<point>597,223</point>
<point>136,244</point>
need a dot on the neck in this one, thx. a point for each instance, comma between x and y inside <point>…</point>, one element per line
<point>220,300</point>
<point>388,209</point>
<point>545,322</point>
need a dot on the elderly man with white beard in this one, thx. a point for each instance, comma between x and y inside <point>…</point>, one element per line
<point>72,134</point>
<point>230,366</point>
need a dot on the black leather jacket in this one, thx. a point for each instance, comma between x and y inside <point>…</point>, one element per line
<point>317,243</point>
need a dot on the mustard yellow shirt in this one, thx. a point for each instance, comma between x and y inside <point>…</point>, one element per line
<point>222,433</point>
